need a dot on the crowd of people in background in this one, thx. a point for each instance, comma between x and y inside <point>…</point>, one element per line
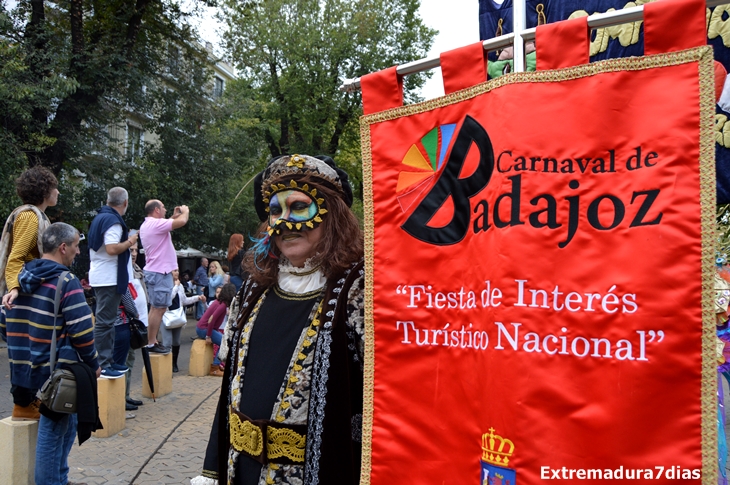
<point>33,255</point>
<point>301,283</point>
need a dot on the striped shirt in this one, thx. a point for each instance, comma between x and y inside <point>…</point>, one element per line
<point>24,248</point>
<point>29,329</point>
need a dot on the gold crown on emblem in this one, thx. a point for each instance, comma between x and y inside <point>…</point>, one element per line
<point>493,449</point>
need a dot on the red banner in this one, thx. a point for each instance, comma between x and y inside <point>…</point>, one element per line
<point>540,260</point>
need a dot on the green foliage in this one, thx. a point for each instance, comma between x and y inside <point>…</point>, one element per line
<point>239,144</point>
<point>74,73</point>
<point>21,97</point>
<point>292,57</point>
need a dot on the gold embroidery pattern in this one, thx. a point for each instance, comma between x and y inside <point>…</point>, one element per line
<point>296,161</point>
<point>285,443</point>
<point>284,167</point>
<point>281,442</point>
<point>271,473</point>
<point>369,362</point>
<point>245,436</point>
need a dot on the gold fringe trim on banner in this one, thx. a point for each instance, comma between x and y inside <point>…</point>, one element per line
<point>704,57</point>
<point>708,205</point>
<point>369,367</point>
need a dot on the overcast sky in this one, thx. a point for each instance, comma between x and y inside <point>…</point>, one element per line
<point>456,20</point>
<point>458,24</point>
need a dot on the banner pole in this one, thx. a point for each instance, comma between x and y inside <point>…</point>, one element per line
<point>518,39</point>
<point>519,21</point>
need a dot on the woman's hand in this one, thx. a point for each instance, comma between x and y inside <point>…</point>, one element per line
<point>208,340</point>
<point>9,298</point>
<point>201,298</point>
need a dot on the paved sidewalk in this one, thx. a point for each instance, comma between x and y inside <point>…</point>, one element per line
<point>165,443</point>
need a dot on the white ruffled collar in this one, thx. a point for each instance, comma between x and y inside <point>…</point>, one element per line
<point>300,280</point>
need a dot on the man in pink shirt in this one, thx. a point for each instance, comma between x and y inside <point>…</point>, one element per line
<point>160,261</point>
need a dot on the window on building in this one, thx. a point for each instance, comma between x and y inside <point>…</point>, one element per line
<point>173,60</point>
<point>218,86</point>
<point>135,140</point>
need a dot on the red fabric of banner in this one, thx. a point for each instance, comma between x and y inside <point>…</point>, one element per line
<point>464,67</point>
<point>381,90</point>
<point>562,44</point>
<point>537,281</point>
<point>687,18</point>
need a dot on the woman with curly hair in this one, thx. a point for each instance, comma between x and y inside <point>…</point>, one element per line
<point>37,187</point>
<point>295,337</point>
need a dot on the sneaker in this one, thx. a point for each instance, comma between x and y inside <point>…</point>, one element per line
<point>130,407</point>
<point>119,367</point>
<point>31,412</point>
<point>134,402</point>
<point>129,416</point>
<point>158,348</point>
<point>111,374</point>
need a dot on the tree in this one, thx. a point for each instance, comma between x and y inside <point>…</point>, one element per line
<point>292,56</point>
<point>197,160</point>
<point>75,71</point>
<point>109,49</point>
<point>22,96</point>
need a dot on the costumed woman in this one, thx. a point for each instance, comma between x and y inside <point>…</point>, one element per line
<point>295,338</point>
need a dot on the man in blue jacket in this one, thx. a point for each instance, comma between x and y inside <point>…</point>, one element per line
<point>29,330</point>
<point>109,273</point>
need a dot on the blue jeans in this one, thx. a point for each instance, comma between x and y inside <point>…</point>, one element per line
<point>216,337</point>
<point>237,281</point>
<point>200,307</point>
<point>121,343</point>
<point>55,439</point>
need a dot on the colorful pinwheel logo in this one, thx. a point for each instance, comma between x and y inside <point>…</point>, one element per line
<point>424,160</point>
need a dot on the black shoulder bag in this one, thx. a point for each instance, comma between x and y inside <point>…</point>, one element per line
<point>59,391</point>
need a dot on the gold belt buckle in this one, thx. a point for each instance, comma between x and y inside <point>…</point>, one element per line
<point>285,443</point>
<point>266,443</point>
<point>246,436</point>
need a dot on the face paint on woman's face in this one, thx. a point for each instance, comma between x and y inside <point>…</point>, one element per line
<point>292,209</point>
